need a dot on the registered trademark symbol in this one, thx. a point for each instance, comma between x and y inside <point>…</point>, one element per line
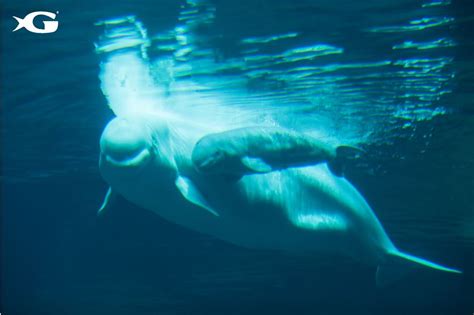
<point>57,12</point>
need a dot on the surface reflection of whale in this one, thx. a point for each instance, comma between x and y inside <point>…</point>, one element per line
<point>215,169</point>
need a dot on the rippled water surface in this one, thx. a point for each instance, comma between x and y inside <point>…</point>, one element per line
<point>394,78</point>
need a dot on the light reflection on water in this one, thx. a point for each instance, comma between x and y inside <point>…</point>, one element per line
<point>372,82</point>
<point>367,101</point>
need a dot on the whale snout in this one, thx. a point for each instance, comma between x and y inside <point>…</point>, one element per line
<point>125,143</point>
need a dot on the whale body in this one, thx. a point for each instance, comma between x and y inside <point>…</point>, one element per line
<point>258,186</point>
<point>263,149</point>
<point>296,207</point>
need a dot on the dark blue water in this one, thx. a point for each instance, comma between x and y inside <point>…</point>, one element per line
<point>410,108</point>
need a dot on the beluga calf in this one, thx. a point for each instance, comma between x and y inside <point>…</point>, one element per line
<point>220,170</point>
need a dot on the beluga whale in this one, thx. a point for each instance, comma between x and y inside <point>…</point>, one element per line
<point>220,170</point>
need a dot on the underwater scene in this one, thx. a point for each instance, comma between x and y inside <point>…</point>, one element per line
<point>237,157</point>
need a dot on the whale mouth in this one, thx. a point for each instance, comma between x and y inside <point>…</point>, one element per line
<point>125,144</point>
<point>140,159</point>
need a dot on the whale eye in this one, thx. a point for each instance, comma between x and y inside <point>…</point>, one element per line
<point>125,143</point>
<point>208,161</point>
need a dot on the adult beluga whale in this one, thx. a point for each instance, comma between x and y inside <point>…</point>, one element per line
<point>218,170</point>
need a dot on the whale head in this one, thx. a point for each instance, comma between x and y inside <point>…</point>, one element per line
<point>126,144</point>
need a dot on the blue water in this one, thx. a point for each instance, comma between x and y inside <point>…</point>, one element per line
<point>393,77</point>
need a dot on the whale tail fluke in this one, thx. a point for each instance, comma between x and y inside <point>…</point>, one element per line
<point>399,264</point>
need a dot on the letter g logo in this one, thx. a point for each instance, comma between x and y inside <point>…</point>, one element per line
<point>27,22</point>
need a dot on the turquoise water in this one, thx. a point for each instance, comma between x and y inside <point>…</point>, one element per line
<point>392,77</point>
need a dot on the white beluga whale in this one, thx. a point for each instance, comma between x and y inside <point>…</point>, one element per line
<point>263,149</point>
<point>214,169</point>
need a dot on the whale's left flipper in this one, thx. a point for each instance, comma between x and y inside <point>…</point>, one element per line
<point>109,198</point>
<point>398,264</point>
<point>260,150</point>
